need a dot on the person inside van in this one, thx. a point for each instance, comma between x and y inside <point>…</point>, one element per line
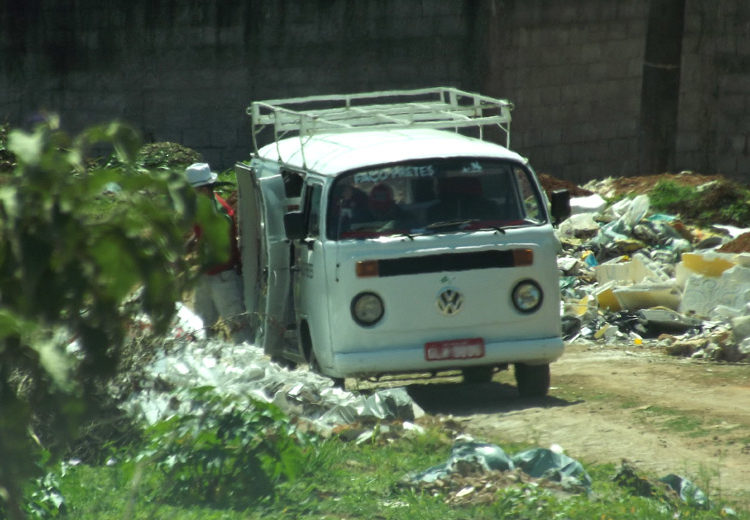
<point>460,197</point>
<point>383,208</point>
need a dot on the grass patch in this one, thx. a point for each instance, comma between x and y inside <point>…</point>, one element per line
<point>359,481</point>
<point>719,202</point>
<point>672,420</point>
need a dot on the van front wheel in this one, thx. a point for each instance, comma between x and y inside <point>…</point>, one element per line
<point>532,380</point>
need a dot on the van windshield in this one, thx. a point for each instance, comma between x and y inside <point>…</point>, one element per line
<point>439,195</point>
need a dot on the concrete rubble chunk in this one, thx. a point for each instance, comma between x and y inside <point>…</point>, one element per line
<point>658,320</point>
<point>741,327</point>
<point>594,203</point>
<point>581,225</point>
<point>649,273</point>
<point>704,293</point>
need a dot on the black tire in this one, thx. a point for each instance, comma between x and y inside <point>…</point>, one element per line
<point>532,380</point>
<point>477,375</point>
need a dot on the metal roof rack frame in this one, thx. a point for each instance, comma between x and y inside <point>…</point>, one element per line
<point>436,107</point>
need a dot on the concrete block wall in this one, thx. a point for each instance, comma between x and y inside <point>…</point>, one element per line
<point>186,71</point>
<point>714,127</point>
<point>573,70</point>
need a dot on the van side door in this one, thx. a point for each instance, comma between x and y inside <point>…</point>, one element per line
<point>310,274</point>
<point>265,254</point>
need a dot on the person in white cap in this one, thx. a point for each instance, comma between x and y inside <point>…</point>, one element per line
<point>218,293</point>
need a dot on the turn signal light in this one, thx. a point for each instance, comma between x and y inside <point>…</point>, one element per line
<point>523,257</point>
<point>367,268</point>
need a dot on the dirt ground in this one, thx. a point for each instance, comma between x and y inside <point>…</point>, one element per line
<point>607,403</point>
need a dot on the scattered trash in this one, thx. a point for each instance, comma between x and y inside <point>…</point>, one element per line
<point>473,468</point>
<point>243,371</point>
<point>466,457</point>
<point>553,465</point>
<point>670,488</point>
<point>632,274</point>
<point>687,491</point>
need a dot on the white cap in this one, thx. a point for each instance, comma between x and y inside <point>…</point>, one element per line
<point>200,174</point>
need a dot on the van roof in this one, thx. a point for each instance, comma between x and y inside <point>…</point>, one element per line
<point>330,154</point>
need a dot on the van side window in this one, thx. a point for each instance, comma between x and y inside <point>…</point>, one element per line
<point>531,204</point>
<point>293,182</point>
<point>312,209</point>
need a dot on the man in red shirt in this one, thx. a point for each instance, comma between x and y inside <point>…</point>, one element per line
<point>218,293</point>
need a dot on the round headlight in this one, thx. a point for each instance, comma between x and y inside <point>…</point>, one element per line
<point>527,296</point>
<point>367,308</point>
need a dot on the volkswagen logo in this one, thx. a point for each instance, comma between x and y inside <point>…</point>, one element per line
<point>449,301</point>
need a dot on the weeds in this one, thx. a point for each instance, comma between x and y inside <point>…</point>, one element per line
<point>224,453</point>
<point>336,479</point>
<point>717,202</point>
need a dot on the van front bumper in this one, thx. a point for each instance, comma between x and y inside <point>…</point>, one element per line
<point>412,358</point>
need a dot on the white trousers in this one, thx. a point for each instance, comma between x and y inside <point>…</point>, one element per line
<point>220,296</point>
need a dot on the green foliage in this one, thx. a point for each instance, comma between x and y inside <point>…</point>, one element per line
<point>7,160</point>
<point>224,454</point>
<point>46,500</point>
<point>167,155</point>
<point>717,203</point>
<point>670,196</point>
<point>81,252</point>
<point>341,479</point>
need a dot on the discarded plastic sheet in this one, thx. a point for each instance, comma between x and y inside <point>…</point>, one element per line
<point>688,492</point>
<point>581,225</point>
<point>733,231</point>
<point>552,465</point>
<point>589,204</point>
<point>480,455</point>
<point>537,463</point>
<point>567,264</point>
<point>243,372</point>
<point>589,258</point>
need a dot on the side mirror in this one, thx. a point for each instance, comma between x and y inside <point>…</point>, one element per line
<point>560,202</point>
<point>294,225</point>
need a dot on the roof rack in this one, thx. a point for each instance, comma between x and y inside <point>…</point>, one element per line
<point>437,107</point>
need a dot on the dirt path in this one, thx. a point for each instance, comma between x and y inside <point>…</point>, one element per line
<point>664,414</point>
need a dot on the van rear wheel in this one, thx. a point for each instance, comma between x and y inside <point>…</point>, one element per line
<point>476,375</point>
<point>532,380</point>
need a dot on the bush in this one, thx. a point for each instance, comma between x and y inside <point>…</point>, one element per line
<point>224,453</point>
<point>82,251</point>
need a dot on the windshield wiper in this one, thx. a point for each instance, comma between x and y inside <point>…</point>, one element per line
<point>463,224</point>
<point>490,226</point>
<point>450,223</point>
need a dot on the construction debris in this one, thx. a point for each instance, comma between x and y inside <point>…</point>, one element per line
<point>631,274</point>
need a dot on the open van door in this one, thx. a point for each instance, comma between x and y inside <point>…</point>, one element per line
<point>265,255</point>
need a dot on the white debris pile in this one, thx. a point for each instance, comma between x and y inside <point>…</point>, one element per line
<point>244,373</point>
<point>630,274</point>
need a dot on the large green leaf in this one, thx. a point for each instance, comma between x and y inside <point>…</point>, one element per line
<point>27,147</point>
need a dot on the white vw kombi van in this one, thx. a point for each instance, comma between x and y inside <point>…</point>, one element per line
<point>379,236</point>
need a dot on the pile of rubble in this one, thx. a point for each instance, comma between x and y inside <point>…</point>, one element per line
<point>630,274</point>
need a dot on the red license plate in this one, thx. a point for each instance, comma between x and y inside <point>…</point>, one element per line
<point>454,349</point>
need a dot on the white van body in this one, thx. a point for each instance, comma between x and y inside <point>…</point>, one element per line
<point>449,263</point>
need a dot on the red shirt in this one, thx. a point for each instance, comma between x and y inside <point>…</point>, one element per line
<point>234,252</point>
